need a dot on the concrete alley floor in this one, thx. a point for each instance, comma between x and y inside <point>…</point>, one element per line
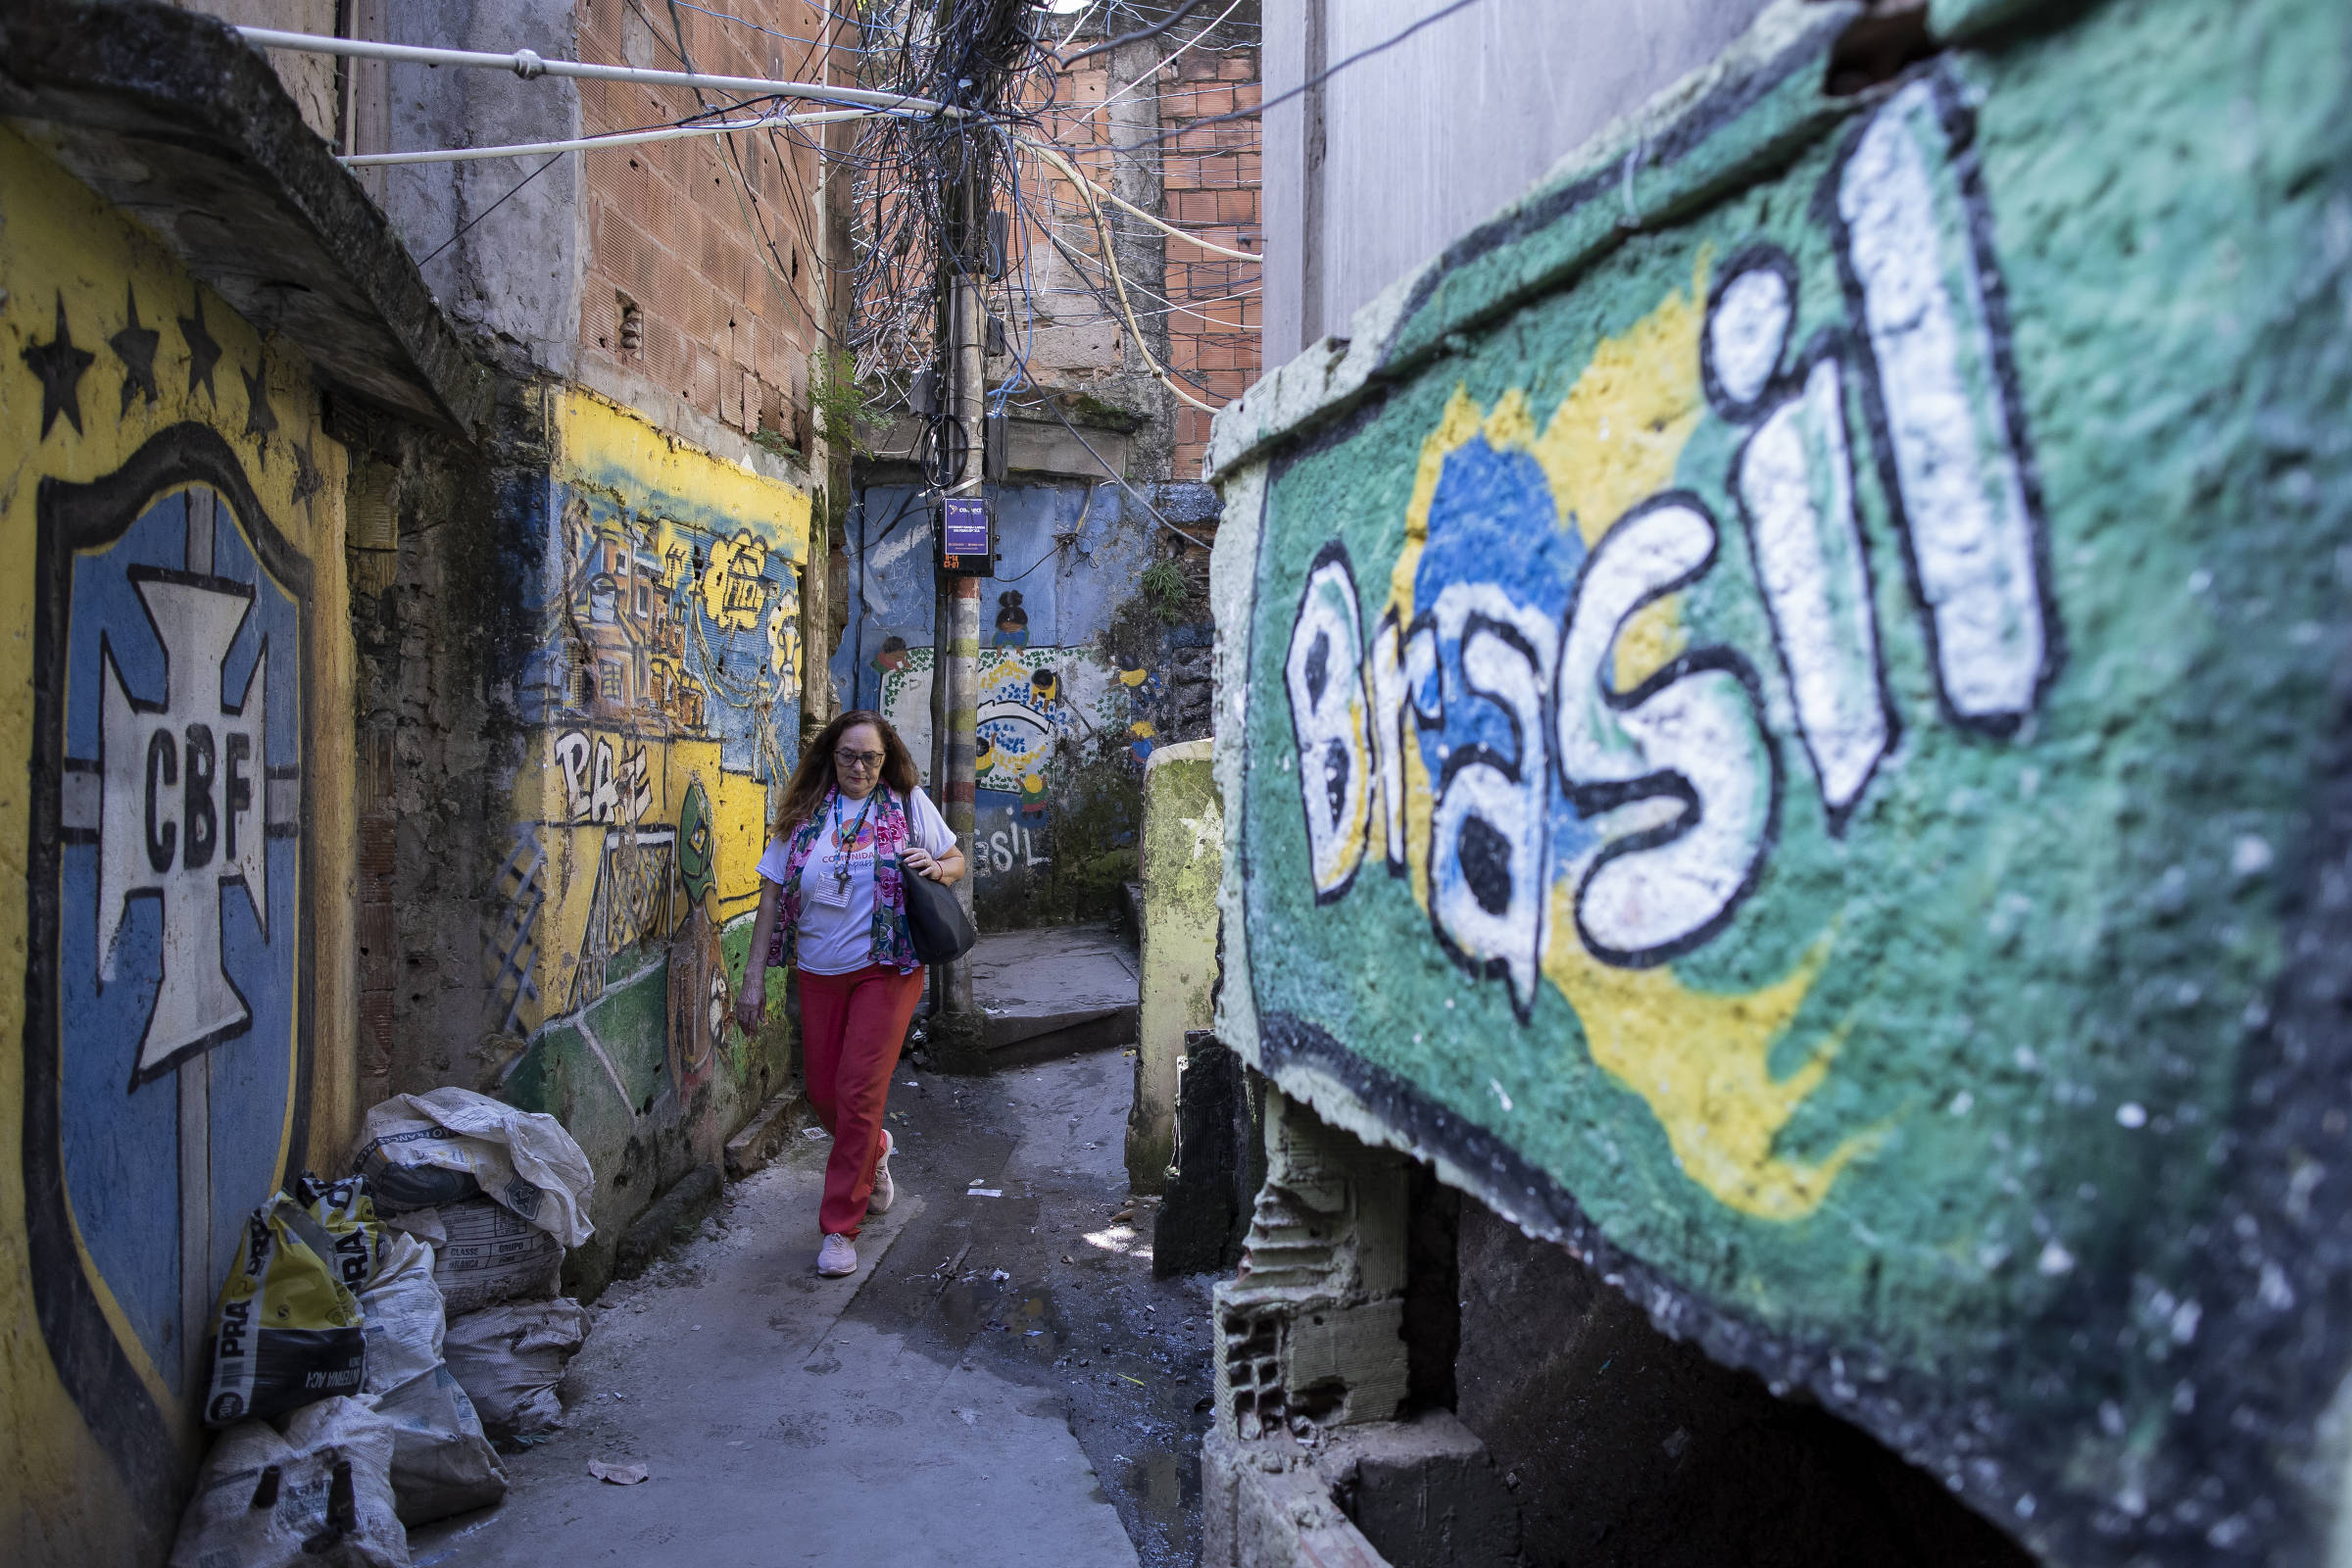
<point>1003,1382</point>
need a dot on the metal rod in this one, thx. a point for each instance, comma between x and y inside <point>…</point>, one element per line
<point>530,65</point>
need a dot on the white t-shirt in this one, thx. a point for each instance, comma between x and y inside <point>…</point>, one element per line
<point>838,936</point>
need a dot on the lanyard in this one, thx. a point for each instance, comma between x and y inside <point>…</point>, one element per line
<point>845,847</point>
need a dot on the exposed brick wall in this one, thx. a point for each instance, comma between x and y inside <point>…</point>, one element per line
<point>717,245</point>
<point>1207,304</point>
<point>1210,178</point>
<point>1074,339</point>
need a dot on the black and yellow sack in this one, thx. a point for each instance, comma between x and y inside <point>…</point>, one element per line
<point>287,1331</point>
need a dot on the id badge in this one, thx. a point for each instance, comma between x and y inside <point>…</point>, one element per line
<point>829,890</point>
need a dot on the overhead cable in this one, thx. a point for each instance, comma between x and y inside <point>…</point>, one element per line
<point>632,139</point>
<point>1315,80</point>
<point>1116,200</point>
<point>1119,282</point>
<point>530,66</point>
<point>1112,97</point>
<point>1137,36</point>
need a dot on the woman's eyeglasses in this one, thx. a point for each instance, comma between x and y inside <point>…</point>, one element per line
<point>858,760</point>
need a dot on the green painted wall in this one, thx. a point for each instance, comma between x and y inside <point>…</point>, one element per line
<point>1782,704</point>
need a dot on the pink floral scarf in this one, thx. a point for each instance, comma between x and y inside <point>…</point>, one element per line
<point>892,945</point>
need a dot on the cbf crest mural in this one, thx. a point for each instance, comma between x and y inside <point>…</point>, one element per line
<point>171,943</point>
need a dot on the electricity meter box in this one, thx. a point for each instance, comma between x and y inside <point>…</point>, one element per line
<point>967,536</point>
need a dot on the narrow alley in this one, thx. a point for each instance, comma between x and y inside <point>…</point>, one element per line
<point>1003,1382</point>
<point>1180,783</point>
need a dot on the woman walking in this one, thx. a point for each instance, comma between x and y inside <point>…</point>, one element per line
<point>852,822</point>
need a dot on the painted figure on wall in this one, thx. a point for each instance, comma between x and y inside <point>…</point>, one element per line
<point>1070,559</point>
<point>1012,621</point>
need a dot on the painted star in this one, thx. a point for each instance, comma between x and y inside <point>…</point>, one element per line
<point>203,350</point>
<point>135,347</point>
<point>260,418</point>
<point>60,366</point>
<point>307,481</point>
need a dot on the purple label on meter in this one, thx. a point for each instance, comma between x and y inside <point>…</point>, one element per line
<point>966,529</point>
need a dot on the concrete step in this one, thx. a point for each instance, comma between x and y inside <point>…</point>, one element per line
<point>1053,991</point>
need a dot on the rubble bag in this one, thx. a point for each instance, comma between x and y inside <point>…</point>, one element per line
<point>401,1314</point>
<point>319,1491</point>
<point>346,1211</point>
<point>442,1463</point>
<point>509,1359</point>
<point>287,1330</point>
<point>492,1254</point>
<point>425,1151</point>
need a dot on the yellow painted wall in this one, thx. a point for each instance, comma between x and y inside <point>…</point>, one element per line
<point>693,530</point>
<point>75,272</point>
<point>663,704</point>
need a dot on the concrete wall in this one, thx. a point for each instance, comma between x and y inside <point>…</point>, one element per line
<point>178,733</point>
<point>505,259</point>
<point>309,80</point>
<point>1780,713</point>
<point>1183,857</point>
<point>1375,172</point>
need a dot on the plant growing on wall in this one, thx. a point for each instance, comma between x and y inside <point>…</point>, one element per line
<point>847,405</point>
<point>1167,591</point>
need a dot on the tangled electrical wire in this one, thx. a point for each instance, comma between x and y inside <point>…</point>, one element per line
<point>921,185</point>
<point>975,54</point>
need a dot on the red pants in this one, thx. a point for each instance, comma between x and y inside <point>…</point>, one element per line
<point>852,1026</point>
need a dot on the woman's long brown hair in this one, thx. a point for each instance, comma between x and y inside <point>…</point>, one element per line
<point>815,778</point>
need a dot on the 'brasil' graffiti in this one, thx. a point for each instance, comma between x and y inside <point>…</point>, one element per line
<point>1523,727</point>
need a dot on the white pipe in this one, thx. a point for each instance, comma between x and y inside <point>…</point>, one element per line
<point>529,65</point>
<point>527,149</point>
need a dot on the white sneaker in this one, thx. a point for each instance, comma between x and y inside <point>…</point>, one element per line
<point>885,1192</point>
<point>836,1257</point>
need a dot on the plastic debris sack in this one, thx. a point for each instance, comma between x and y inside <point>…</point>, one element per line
<point>442,1463</point>
<point>509,1358</point>
<point>489,1254</point>
<point>317,1493</point>
<point>402,1316</point>
<point>287,1328</point>
<point>422,1151</point>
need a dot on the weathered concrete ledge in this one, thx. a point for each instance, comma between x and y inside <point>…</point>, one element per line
<point>764,1136</point>
<point>169,114</point>
<point>1422,1493</point>
<point>1053,991</point>
<point>688,1200</point>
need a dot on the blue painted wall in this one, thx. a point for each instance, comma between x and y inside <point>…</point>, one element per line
<point>1069,556</point>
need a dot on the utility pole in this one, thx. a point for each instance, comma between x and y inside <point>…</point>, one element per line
<point>969,402</point>
<point>965,202</point>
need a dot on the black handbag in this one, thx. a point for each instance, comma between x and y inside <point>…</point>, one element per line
<point>935,921</point>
